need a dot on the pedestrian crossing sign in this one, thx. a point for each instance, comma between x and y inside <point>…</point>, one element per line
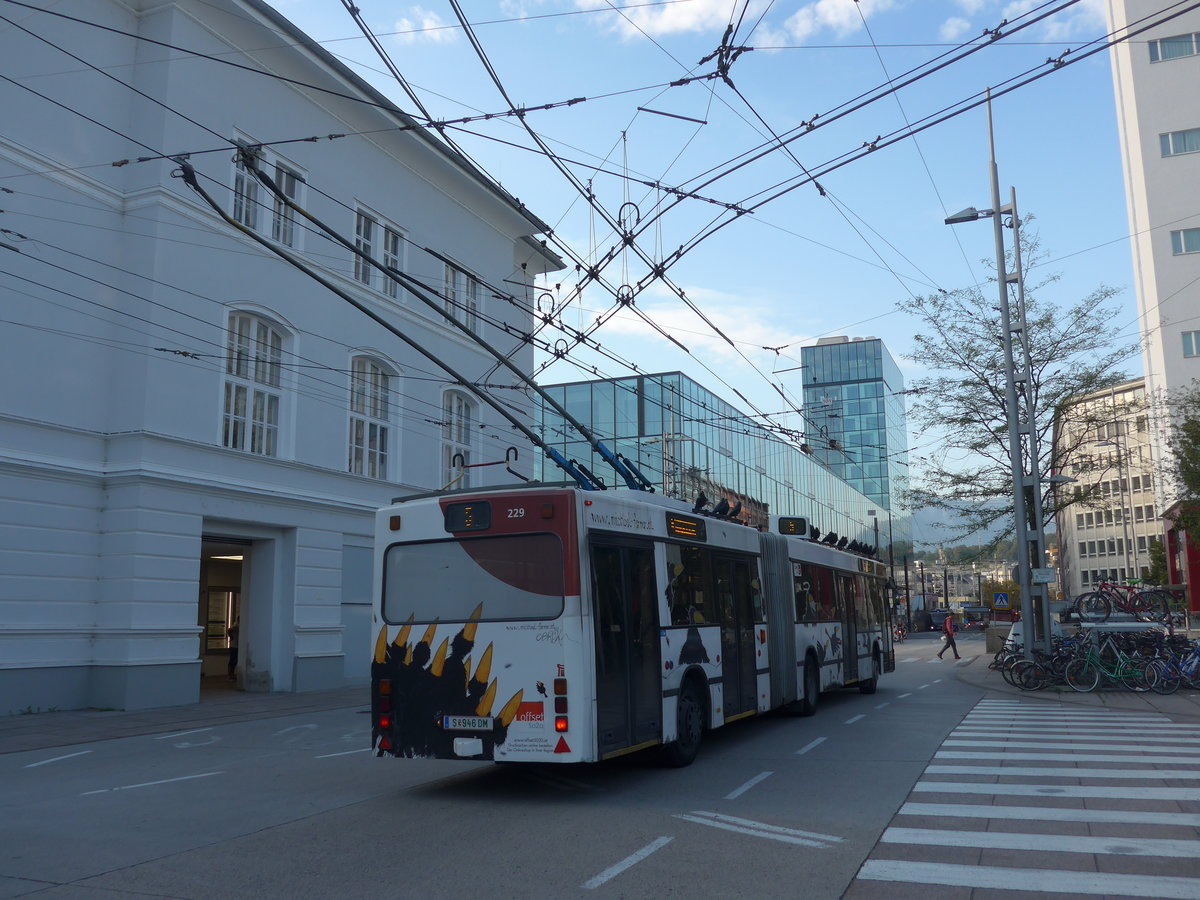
<point>1000,600</point>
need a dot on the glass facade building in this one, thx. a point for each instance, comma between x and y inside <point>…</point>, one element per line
<point>687,440</point>
<point>855,421</point>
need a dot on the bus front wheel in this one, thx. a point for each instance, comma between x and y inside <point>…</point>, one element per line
<point>689,728</point>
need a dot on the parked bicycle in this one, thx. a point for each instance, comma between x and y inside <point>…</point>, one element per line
<point>1086,671</point>
<point>1148,605</point>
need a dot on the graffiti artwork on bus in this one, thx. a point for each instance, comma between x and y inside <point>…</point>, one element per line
<point>428,686</point>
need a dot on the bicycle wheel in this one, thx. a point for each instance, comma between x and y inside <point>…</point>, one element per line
<point>1154,606</point>
<point>1082,675</point>
<point>1167,676</point>
<point>1029,675</point>
<point>1093,607</point>
<point>1137,674</point>
<point>1007,669</point>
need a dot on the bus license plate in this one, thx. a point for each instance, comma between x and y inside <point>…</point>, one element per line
<point>467,723</point>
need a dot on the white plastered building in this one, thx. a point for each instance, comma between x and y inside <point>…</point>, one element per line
<point>194,435</point>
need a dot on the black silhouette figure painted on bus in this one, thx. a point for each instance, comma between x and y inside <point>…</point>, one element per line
<point>426,686</point>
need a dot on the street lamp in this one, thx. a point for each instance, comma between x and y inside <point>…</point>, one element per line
<point>1022,435</point>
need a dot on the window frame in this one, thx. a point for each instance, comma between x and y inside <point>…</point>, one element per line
<point>1154,47</point>
<point>252,385</point>
<point>1181,239</point>
<point>369,451</point>
<point>1191,344</point>
<point>459,414</point>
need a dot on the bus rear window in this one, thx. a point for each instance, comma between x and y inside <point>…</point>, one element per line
<point>516,577</point>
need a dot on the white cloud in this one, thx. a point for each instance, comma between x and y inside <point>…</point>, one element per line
<point>953,28</point>
<point>839,16</point>
<point>1081,19</point>
<point>675,18</point>
<point>424,25</point>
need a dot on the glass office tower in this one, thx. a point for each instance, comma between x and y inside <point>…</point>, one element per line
<point>687,440</point>
<point>855,420</point>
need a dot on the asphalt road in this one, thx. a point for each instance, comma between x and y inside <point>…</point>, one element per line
<point>297,807</point>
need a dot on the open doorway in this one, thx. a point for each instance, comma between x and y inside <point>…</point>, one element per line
<point>223,563</point>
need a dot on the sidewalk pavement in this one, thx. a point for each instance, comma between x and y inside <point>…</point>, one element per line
<point>220,706</point>
<point>217,706</point>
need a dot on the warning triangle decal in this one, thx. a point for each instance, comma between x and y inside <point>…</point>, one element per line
<point>561,746</point>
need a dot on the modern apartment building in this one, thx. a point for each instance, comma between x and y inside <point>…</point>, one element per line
<point>1103,440</point>
<point>1158,112</point>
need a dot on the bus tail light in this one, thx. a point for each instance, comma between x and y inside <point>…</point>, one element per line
<point>393,523</point>
<point>384,705</point>
<point>560,686</point>
<point>560,705</point>
<point>385,722</point>
<point>547,510</point>
<point>560,723</point>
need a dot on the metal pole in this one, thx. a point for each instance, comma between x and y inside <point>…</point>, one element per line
<point>1012,417</point>
<point>1118,427</point>
<point>907,596</point>
<point>1036,537</point>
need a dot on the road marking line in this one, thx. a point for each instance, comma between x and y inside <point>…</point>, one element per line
<point>1088,734</point>
<point>809,746</point>
<point>937,681</point>
<point>763,826</point>
<point>631,860</point>
<point>1050,814</point>
<point>1065,772</point>
<point>902,696</point>
<point>761,776</point>
<point>1035,880</point>
<point>922,687</point>
<point>883,704</point>
<point>1128,792</point>
<point>756,829</point>
<point>163,737</point>
<point>935,660</point>
<point>1061,843</point>
<point>55,759</point>
<point>1053,744</point>
<point>1073,720</point>
<point>854,719</point>
<point>344,753</point>
<point>130,787</point>
<point>1067,757</point>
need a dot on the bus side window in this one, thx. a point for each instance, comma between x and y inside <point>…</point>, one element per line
<point>806,601</point>
<point>688,593</point>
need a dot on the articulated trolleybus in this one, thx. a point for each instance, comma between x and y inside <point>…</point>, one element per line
<point>552,624</point>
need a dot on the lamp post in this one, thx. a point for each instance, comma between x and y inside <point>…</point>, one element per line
<point>1019,409</point>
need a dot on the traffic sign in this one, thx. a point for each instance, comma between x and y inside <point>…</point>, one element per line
<point>1000,600</point>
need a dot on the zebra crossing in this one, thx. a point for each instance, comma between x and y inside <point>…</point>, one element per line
<point>1030,796</point>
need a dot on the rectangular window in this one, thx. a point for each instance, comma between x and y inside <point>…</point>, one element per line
<point>1083,548</point>
<point>1150,512</point>
<point>1078,520</point>
<point>1141,542</point>
<point>283,224</point>
<point>1186,240</point>
<point>1086,577</point>
<point>1176,142</point>
<point>1108,517</point>
<point>1137,514</point>
<point>1136,481</point>
<point>392,258</point>
<point>1091,548</point>
<point>370,400</point>
<point>1173,47</point>
<point>1091,520</point>
<point>1191,343</point>
<point>364,243</point>
<point>252,368</point>
<point>245,195</point>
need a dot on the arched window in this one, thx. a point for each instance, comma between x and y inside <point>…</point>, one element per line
<point>253,354</point>
<point>458,419</point>
<point>370,417</point>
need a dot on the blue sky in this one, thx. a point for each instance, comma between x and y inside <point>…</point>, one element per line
<point>803,265</point>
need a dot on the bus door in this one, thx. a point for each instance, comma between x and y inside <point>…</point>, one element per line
<point>628,680</point>
<point>849,611</point>
<point>736,602</point>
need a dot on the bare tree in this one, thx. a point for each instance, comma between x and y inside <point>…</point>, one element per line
<point>1073,349</point>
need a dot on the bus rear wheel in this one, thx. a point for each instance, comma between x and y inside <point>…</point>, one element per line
<point>807,705</point>
<point>689,729</point>
<point>870,685</point>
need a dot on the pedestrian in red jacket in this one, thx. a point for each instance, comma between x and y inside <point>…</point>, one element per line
<point>948,634</point>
